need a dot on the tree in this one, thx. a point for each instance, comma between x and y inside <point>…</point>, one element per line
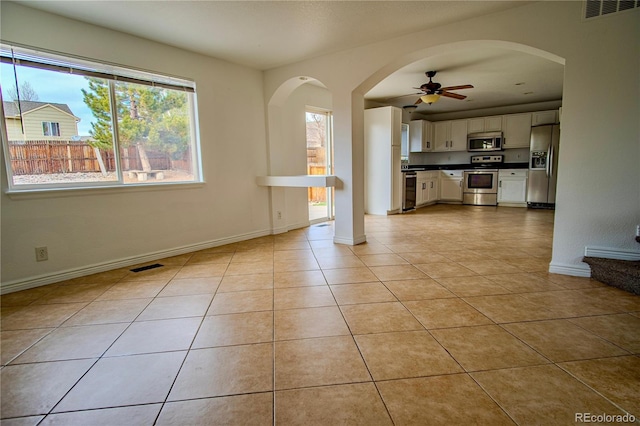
<point>148,118</point>
<point>27,92</point>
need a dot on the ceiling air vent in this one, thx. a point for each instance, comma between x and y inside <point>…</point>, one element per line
<point>595,8</point>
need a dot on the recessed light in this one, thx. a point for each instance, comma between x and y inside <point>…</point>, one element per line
<point>520,84</point>
<point>304,78</point>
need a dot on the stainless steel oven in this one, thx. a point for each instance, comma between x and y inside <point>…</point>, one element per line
<point>409,191</point>
<point>480,187</point>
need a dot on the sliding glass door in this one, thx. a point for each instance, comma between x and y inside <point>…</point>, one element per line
<point>319,126</point>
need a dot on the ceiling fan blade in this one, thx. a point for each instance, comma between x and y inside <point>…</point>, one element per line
<point>452,95</point>
<point>401,96</point>
<point>464,86</point>
<point>419,101</point>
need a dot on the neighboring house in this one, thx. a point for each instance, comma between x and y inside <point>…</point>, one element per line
<point>42,121</point>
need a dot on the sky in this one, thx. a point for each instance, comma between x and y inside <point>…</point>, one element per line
<point>52,87</point>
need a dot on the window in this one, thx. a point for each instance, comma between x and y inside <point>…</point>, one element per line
<point>70,122</point>
<point>50,129</point>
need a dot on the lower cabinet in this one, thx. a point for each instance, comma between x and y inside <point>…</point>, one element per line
<point>451,186</point>
<point>512,187</point>
<point>427,188</point>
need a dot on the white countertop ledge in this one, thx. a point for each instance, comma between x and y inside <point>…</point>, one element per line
<point>304,181</point>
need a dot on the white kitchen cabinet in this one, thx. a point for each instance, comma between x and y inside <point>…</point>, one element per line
<point>450,135</point>
<point>544,117</point>
<point>383,176</point>
<point>420,136</point>
<point>427,188</point>
<point>484,124</point>
<point>512,187</point>
<point>451,186</point>
<point>516,130</point>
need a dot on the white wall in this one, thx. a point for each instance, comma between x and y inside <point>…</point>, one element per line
<point>598,199</point>
<point>97,229</point>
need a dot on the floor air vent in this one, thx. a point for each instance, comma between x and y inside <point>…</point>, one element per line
<point>595,8</point>
<point>144,268</point>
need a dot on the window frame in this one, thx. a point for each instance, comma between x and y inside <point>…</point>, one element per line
<point>56,61</point>
<point>48,128</point>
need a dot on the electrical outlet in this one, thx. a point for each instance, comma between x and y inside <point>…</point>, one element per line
<point>42,254</point>
<point>279,215</point>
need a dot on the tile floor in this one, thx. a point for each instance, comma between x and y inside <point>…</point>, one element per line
<point>445,316</point>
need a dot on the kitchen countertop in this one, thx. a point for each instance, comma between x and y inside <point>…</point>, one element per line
<point>464,166</point>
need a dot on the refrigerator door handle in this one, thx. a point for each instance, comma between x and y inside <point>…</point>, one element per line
<point>551,155</point>
<point>547,168</point>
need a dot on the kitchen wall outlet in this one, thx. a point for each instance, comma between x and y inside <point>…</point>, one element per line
<point>42,254</point>
<point>279,215</point>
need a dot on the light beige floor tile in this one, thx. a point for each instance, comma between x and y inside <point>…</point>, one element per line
<point>252,409</point>
<point>198,258</point>
<point>444,269</point>
<point>303,297</point>
<point>617,299</point>
<point>246,282</point>
<point>41,316</point>
<point>176,307</point>
<point>31,389</point>
<point>136,415</point>
<point>318,362</point>
<point>298,279</point>
<point>407,290</point>
<point>569,303</point>
<point>235,329</point>
<point>350,294</point>
<point>486,347</point>
<point>295,265</point>
<point>190,286</point>
<point>352,404</point>
<point>309,322</point>
<point>382,259</point>
<point>107,277</point>
<point>486,267</point>
<point>133,290</point>
<point>73,294</point>
<point>542,395</point>
<point>523,282</point>
<point>241,301</point>
<point>570,282</point>
<point>281,255</point>
<point>369,248</point>
<point>127,380</point>
<point>225,370</point>
<point>509,308</point>
<point>560,340</point>
<point>202,270</point>
<point>622,329</point>
<point>108,311</point>
<point>405,354</point>
<point>461,255</point>
<point>339,261</point>
<point>66,343</point>
<point>529,264</point>
<point>253,256</point>
<point>423,257</point>
<point>263,267</point>
<point>13,343</point>
<point>165,273</point>
<point>618,379</point>
<point>291,245</point>
<point>156,336</point>
<point>379,318</point>
<point>442,400</point>
<point>474,285</point>
<point>445,313</point>
<point>397,272</point>
<point>349,275</point>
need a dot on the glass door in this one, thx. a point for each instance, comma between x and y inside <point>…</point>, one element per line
<point>319,132</point>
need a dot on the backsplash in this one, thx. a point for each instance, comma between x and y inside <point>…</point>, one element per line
<point>430,158</point>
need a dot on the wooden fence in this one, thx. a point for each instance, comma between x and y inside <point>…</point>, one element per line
<point>317,194</point>
<point>61,156</point>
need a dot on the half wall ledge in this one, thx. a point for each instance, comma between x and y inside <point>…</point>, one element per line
<point>301,181</point>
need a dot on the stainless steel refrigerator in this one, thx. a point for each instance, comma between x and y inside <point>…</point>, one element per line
<point>543,166</point>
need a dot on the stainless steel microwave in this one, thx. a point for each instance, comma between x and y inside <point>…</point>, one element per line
<point>490,141</point>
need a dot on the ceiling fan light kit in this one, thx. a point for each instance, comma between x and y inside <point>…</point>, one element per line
<point>431,91</point>
<point>429,99</point>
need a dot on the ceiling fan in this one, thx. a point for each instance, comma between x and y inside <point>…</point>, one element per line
<point>432,91</point>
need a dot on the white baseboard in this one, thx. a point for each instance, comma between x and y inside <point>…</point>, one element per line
<point>611,253</point>
<point>350,241</point>
<point>31,282</point>
<point>574,270</point>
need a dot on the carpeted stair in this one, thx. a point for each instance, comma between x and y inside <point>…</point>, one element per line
<point>624,274</point>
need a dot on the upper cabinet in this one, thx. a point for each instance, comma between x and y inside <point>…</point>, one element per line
<point>420,136</point>
<point>450,135</point>
<point>544,117</point>
<point>484,124</point>
<point>516,130</point>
